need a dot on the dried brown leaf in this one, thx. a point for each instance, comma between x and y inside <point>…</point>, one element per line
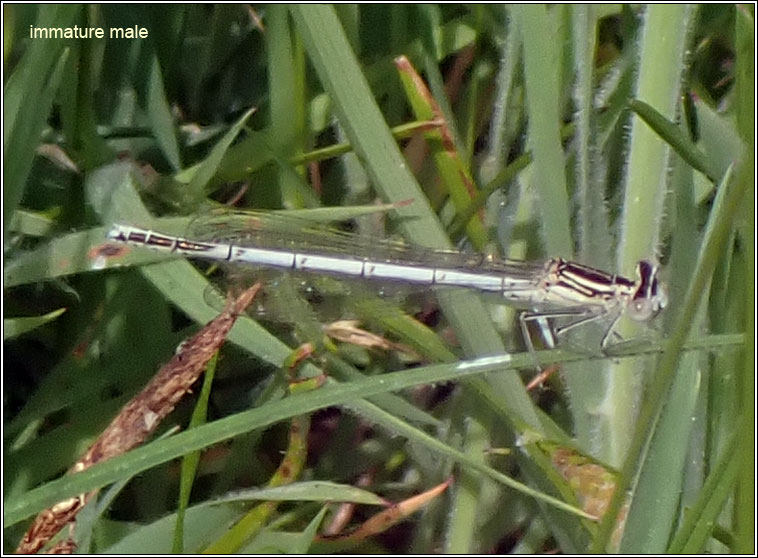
<point>347,331</point>
<point>393,515</point>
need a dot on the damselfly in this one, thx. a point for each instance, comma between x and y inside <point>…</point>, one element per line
<point>554,289</point>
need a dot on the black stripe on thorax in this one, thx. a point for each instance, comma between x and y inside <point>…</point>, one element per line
<point>589,281</point>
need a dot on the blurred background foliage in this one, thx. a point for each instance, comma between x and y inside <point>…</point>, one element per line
<point>540,153</point>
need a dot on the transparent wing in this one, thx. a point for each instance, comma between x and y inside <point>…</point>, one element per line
<point>300,306</point>
<point>280,230</point>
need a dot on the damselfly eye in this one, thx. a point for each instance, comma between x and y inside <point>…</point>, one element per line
<point>650,296</point>
<point>642,310</point>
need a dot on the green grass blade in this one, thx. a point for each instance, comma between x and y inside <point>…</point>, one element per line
<point>662,54</point>
<point>674,136</point>
<point>205,170</point>
<point>153,454</point>
<point>36,98</point>
<point>159,111</point>
<point>663,45</point>
<point>286,70</point>
<point>13,327</point>
<point>699,520</point>
<point>451,168</point>
<point>317,491</point>
<point>651,516</point>
<point>191,460</point>
<point>338,70</point>
<point>102,131</point>
<point>720,224</point>
<point>594,247</point>
<point>745,82</point>
<point>538,28</point>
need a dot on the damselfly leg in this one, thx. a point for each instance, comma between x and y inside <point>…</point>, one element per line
<point>550,332</point>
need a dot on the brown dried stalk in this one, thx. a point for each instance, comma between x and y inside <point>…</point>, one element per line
<point>139,418</point>
<point>391,516</point>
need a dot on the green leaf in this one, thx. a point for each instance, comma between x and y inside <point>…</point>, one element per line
<point>207,169</point>
<point>700,520</point>
<point>318,491</point>
<point>673,135</point>
<point>339,72</point>
<point>13,327</point>
<point>29,95</point>
<point>159,114</point>
<point>152,454</point>
<point>538,26</point>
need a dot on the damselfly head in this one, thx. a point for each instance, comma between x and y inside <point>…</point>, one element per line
<point>650,297</point>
